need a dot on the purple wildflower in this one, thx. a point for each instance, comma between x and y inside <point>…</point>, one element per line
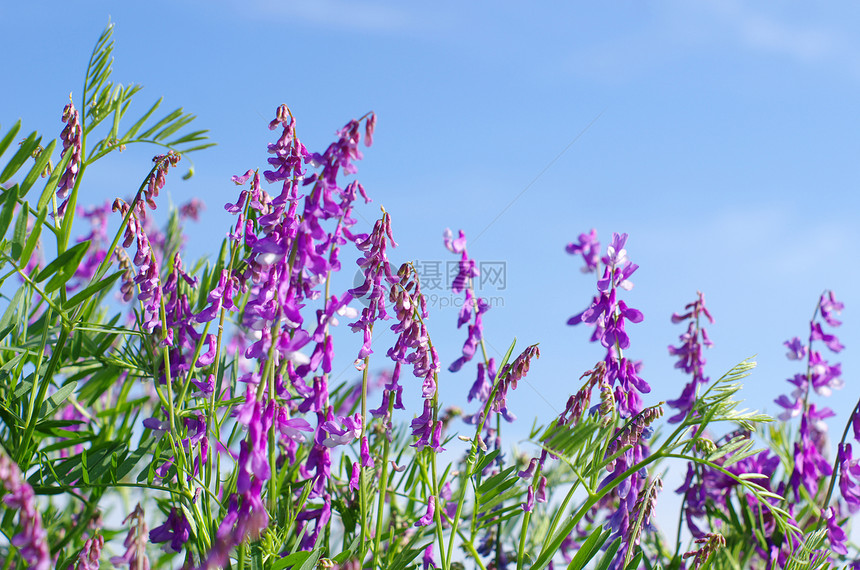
<point>589,248</point>
<point>690,354</point>
<point>849,477</point>
<point>175,531</point>
<point>822,377</point>
<point>431,511</point>
<point>88,559</point>
<point>376,269</point>
<point>462,283</point>
<point>32,541</point>
<point>135,543</point>
<point>513,373</point>
<point>710,543</point>
<point>72,143</point>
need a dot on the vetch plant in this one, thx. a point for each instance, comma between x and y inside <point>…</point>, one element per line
<point>161,413</point>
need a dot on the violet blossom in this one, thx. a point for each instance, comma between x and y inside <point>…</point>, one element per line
<point>32,540</point>
<point>72,137</point>
<point>690,354</point>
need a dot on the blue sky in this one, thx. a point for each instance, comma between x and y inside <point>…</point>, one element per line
<point>722,136</point>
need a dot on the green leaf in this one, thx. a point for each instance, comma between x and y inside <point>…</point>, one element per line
<point>136,127</point>
<point>609,555</point>
<point>160,124</point>
<point>172,128</point>
<point>33,238</point>
<point>10,201</point>
<point>57,398</point>
<point>50,188</point>
<point>19,236</point>
<point>92,290</point>
<point>63,267</point>
<point>38,168</point>
<point>635,562</point>
<point>14,305</point>
<point>190,137</point>
<point>19,158</point>
<point>589,549</point>
<point>551,546</point>
<point>10,136</point>
<point>495,481</point>
<point>85,472</point>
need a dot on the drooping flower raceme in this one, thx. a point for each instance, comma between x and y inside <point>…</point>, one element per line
<point>810,465</point>
<point>72,137</point>
<point>690,354</point>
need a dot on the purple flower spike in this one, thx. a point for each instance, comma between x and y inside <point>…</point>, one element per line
<point>376,268</point>
<point>32,540</point>
<point>690,354</point>
<point>72,143</point>
<point>88,559</point>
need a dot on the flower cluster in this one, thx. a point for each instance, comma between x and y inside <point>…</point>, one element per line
<point>147,278</point>
<point>135,557</point>
<point>472,305</point>
<point>413,346</point>
<point>375,268</point>
<point>810,465</point>
<point>710,543</point>
<point>88,559</point>
<point>609,314</point>
<point>689,354</point>
<point>31,541</point>
<point>72,137</point>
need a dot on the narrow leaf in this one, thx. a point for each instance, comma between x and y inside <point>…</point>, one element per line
<point>65,264</point>
<point>19,236</point>
<point>38,168</point>
<point>19,158</point>
<point>92,290</point>
<point>33,238</point>
<point>10,200</point>
<point>10,136</point>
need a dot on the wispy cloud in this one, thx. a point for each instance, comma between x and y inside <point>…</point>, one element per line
<point>680,30</point>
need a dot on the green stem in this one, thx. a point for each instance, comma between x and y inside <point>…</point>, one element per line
<point>383,488</point>
<point>362,478</point>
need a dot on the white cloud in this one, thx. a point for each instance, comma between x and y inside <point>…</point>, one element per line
<point>682,30</point>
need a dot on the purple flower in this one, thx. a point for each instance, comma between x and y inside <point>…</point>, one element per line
<point>529,472</point>
<point>135,543</point>
<point>796,349</point>
<point>72,143</point>
<point>529,505</point>
<point>589,248</point>
<point>837,536</point>
<point>431,511</point>
<point>32,540</point>
<point>829,306</point>
<point>462,283</point>
<point>376,268</point>
<point>175,531</point>
<point>427,558</point>
<point>540,494</point>
<point>88,559</point>
<point>849,477</point>
<point>830,340</point>
<point>343,431</point>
